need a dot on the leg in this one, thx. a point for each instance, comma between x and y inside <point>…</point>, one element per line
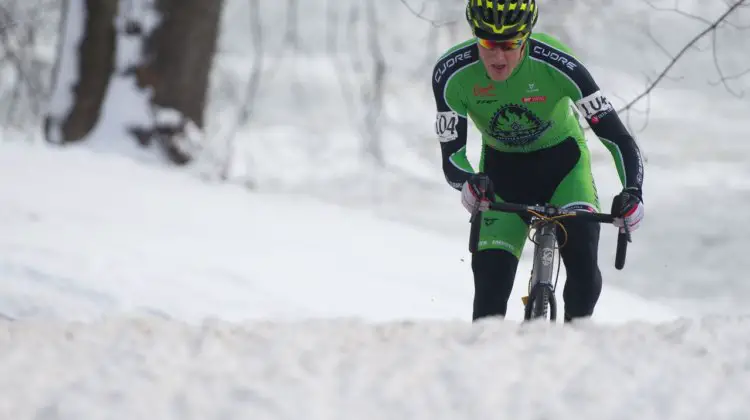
<point>500,237</point>
<point>580,257</point>
<point>500,242</point>
<point>494,272</point>
<point>583,283</point>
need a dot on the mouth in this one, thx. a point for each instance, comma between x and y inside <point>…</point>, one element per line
<point>499,67</point>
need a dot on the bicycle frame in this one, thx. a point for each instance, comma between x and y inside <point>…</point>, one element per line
<point>545,241</point>
<point>541,290</point>
<point>544,220</point>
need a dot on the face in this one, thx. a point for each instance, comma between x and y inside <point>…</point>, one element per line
<point>500,58</point>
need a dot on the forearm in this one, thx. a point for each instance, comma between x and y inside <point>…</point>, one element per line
<point>607,125</point>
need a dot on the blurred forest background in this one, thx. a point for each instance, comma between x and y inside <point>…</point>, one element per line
<point>333,99</point>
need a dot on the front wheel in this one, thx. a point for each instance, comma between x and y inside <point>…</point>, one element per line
<point>541,303</point>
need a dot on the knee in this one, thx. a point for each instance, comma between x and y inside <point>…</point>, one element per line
<point>580,247</point>
<point>584,267</point>
<point>492,265</point>
<point>582,272</point>
<point>583,287</point>
<point>584,280</point>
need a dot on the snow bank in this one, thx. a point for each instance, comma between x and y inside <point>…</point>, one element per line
<point>160,369</point>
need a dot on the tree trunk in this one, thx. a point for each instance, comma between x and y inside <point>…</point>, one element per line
<point>95,57</point>
<point>178,63</point>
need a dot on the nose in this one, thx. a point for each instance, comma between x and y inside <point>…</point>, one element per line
<point>498,56</point>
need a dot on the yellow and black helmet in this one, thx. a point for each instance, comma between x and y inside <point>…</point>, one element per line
<point>501,19</point>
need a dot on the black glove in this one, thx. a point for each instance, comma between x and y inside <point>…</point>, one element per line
<point>629,206</point>
<point>477,192</point>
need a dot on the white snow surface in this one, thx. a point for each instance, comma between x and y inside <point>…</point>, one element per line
<point>134,292</point>
<point>348,369</point>
<point>336,290</point>
<point>86,234</point>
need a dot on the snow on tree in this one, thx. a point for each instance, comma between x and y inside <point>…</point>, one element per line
<point>85,62</point>
<point>135,67</point>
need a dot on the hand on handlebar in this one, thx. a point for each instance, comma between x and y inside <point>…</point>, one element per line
<point>477,193</point>
<point>629,206</point>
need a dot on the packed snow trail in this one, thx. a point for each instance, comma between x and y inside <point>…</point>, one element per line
<point>161,369</point>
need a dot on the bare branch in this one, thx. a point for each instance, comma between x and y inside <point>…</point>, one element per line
<point>291,37</point>
<point>722,78</point>
<point>711,28</point>
<point>420,14</point>
<point>732,77</point>
<point>251,92</point>
<point>677,10</point>
<point>373,143</point>
<point>22,25</point>
<point>662,48</point>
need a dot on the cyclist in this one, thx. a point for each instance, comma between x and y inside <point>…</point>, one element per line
<point>523,91</point>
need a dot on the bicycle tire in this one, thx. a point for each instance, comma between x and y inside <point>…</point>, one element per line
<point>541,302</point>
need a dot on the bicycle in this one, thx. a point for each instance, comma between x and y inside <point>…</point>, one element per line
<point>545,224</point>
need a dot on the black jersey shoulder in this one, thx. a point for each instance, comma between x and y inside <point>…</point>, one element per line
<point>452,62</point>
<point>546,51</point>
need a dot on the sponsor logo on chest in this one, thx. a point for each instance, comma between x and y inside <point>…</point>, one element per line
<point>488,90</point>
<point>532,99</point>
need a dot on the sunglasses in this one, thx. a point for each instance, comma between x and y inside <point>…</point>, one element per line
<point>508,45</point>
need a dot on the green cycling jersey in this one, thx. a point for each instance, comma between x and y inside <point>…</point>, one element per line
<point>537,107</point>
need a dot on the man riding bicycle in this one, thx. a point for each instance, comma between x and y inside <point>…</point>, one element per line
<point>518,87</point>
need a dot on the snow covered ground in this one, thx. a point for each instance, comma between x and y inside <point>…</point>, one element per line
<point>342,369</point>
<point>87,234</point>
<point>338,290</point>
<point>136,292</point>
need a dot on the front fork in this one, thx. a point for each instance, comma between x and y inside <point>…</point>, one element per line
<point>543,261</point>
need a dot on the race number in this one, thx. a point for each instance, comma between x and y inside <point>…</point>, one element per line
<point>446,125</point>
<point>595,105</point>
